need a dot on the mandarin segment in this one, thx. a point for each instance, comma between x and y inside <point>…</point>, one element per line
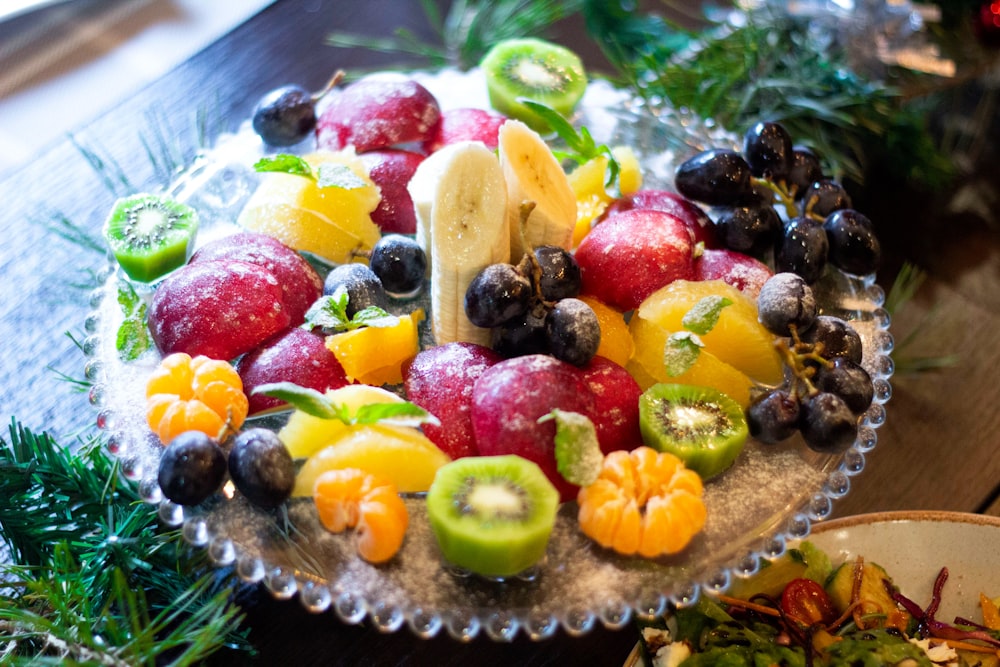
<point>187,393</point>
<point>644,502</point>
<point>353,498</point>
<point>375,355</point>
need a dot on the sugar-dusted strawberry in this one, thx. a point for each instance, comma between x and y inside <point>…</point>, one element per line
<point>632,254</point>
<point>300,284</point>
<point>294,355</point>
<point>391,170</point>
<point>510,397</point>
<point>743,272</point>
<point>217,308</point>
<point>378,111</point>
<point>690,213</point>
<point>616,404</point>
<point>466,124</point>
<point>440,380</point>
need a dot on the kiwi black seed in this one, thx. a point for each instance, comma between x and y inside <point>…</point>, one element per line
<point>537,70</point>
<point>492,515</point>
<point>702,426</point>
<point>150,235</point>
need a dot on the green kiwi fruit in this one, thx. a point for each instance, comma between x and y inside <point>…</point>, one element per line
<point>537,70</point>
<point>492,515</point>
<point>150,235</point>
<point>702,426</point>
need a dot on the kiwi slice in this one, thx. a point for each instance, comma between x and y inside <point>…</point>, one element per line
<point>702,426</point>
<point>492,515</point>
<point>537,70</point>
<point>150,235</point>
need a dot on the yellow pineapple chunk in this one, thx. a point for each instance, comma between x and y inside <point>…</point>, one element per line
<point>332,222</point>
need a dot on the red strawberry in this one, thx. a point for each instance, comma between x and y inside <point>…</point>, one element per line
<point>632,254</point>
<point>295,355</point>
<point>440,380</point>
<point>743,272</point>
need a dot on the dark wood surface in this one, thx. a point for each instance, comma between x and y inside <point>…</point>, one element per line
<point>937,450</point>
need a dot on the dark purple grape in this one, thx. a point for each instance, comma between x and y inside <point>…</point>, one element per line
<point>363,287</point>
<point>400,263</point>
<point>752,231</point>
<point>573,332</point>
<point>261,467</point>
<point>805,170</point>
<point>848,380</point>
<point>717,177</point>
<point>827,424</point>
<point>192,468</point>
<point>785,300</point>
<point>560,273</point>
<point>824,197</point>
<point>803,249</point>
<point>774,417</point>
<point>854,247</point>
<point>498,294</point>
<point>285,116</point>
<point>767,148</point>
<point>835,337</point>
<point>521,336</point>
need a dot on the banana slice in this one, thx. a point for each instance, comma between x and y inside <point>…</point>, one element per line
<point>423,190</point>
<point>534,174</point>
<point>468,231</point>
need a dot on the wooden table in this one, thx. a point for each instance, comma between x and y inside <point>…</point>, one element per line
<point>937,450</point>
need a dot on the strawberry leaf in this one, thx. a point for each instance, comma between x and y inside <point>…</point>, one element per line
<point>285,163</point>
<point>578,454</point>
<point>681,352</point>
<point>704,315</point>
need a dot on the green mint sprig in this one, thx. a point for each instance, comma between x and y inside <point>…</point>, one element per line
<point>581,144</point>
<point>682,348</point>
<point>329,312</point>
<point>327,175</point>
<point>133,338</point>
<point>318,404</point>
<point>578,454</point>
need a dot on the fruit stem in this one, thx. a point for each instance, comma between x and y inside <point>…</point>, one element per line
<point>334,81</point>
<point>781,194</point>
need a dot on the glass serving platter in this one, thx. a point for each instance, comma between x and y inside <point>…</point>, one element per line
<point>771,495</point>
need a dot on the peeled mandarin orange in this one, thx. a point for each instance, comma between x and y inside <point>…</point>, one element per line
<point>643,502</point>
<point>399,454</point>
<point>303,434</point>
<point>375,355</point>
<point>616,339</point>
<point>194,394</point>
<point>332,222</point>
<point>353,498</point>
<point>737,339</point>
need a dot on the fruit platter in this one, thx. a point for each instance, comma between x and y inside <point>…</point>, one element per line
<point>502,350</point>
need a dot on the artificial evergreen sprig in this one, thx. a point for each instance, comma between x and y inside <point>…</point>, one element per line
<point>93,579</point>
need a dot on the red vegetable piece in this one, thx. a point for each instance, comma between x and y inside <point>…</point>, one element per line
<point>807,603</point>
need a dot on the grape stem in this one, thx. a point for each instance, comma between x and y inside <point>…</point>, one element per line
<point>334,81</point>
<point>529,264</point>
<point>781,193</point>
<point>796,355</point>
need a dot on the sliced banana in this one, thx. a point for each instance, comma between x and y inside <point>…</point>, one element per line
<point>533,173</point>
<point>468,231</point>
<point>423,190</point>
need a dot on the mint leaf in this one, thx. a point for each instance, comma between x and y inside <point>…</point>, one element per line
<point>396,414</point>
<point>578,454</point>
<point>284,163</point>
<point>330,313</point>
<point>372,316</point>
<point>338,176</point>
<point>133,338</point>
<point>581,144</point>
<point>704,315</point>
<point>310,401</point>
<point>680,352</point>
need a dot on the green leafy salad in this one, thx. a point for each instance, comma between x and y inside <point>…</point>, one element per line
<point>801,611</point>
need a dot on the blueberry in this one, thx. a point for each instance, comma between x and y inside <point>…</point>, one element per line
<point>363,287</point>
<point>261,467</point>
<point>192,468</point>
<point>400,263</point>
